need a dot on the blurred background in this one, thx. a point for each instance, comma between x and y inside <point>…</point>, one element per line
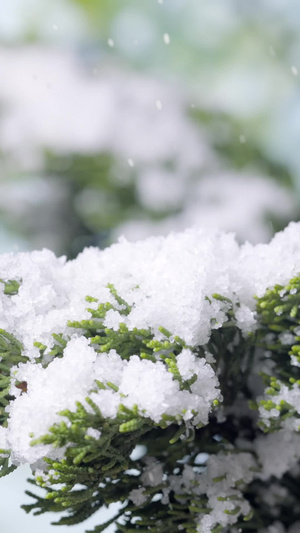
<point>139,118</point>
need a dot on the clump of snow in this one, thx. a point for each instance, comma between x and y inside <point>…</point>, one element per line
<point>289,395</point>
<point>168,281</point>
<point>165,279</point>
<point>219,483</point>
<point>141,383</point>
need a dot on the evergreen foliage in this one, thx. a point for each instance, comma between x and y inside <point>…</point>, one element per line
<point>10,355</point>
<point>159,471</point>
<point>279,336</point>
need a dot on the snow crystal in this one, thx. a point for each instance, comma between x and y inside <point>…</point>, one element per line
<point>49,390</point>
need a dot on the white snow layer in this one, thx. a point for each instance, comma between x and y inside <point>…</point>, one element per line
<point>166,280</point>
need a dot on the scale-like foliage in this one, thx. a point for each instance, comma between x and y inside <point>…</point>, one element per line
<point>10,355</point>
<point>163,490</point>
<point>103,465</point>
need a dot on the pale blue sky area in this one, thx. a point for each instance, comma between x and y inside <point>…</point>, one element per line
<point>14,520</point>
